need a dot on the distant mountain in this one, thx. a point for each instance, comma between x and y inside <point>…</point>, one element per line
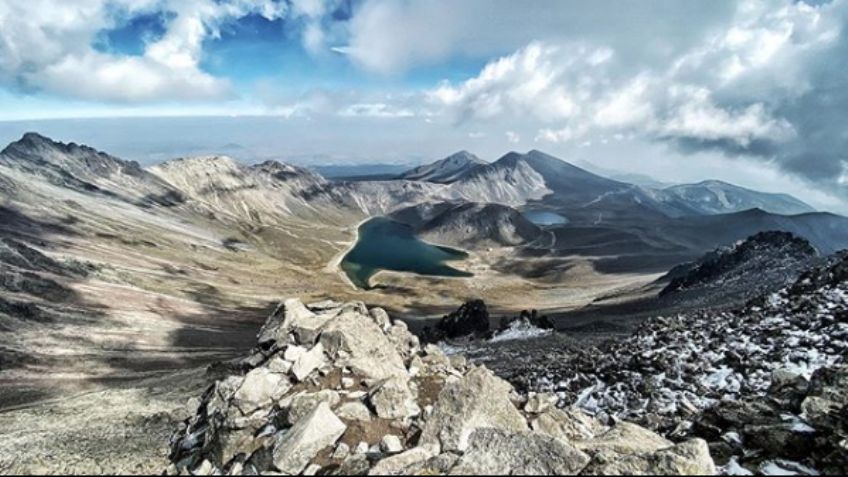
<point>83,169</point>
<point>642,180</point>
<point>447,170</point>
<point>563,179</point>
<point>262,192</point>
<point>826,232</point>
<point>717,197</point>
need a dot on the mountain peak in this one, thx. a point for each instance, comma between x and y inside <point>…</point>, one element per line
<point>29,142</point>
<point>211,160</point>
<point>35,137</point>
<point>283,171</point>
<point>446,170</point>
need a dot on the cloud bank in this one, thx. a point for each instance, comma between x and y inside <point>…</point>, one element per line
<point>771,84</point>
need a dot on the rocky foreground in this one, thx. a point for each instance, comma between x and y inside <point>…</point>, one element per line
<point>766,385</point>
<point>340,389</point>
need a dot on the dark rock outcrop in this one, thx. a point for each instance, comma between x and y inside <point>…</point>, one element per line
<point>470,320</point>
<point>767,260</point>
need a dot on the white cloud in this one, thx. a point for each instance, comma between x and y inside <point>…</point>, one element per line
<point>309,8</point>
<point>375,110</point>
<point>390,37</point>
<point>46,45</point>
<point>542,81</point>
<point>576,89</point>
<point>513,137</point>
<point>697,117</point>
<point>566,134</point>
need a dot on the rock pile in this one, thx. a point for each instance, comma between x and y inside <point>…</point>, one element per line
<point>800,426</point>
<point>341,389</point>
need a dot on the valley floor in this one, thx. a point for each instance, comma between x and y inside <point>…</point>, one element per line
<point>99,369</point>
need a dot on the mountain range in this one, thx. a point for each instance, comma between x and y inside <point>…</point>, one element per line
<point>696,216</point>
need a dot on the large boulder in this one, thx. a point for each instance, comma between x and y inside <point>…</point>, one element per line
<point>259,388</point>
<point>358,343</point>
<point>499,452</point>
<point>399,463</point>
<point>689,458</point>
<point>393,399</point>
<point>301,443</point>
<point>308,362</point>
<point>625,438</point>
<point>570,425</point>
<point>478,400</point>
<point>300,405</point>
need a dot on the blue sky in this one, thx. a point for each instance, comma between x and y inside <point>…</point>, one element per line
<point>752,91</point>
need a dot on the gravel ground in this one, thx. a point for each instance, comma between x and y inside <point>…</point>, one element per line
<point>108,431</point>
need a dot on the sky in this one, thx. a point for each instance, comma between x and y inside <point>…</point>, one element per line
<point>754,92</point>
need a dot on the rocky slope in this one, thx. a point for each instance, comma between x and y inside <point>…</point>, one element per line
<point>261,193</point>
<point>763,262</point>
<point>83,169</point>
<point>340,389</point>
<point>673,369</point>
<point>445,171</point>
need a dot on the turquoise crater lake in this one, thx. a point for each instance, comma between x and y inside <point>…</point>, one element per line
<point>385,244</point>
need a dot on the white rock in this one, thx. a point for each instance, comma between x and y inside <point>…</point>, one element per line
<point>394,465</point>
<point>479,400</point>
<point>293,352</point>
<point>205,468</point>
<point>625,438</point>
<point>369,353</point>
<point>354,411</point>
<point>361,448</point>
<point>538,403</point>
<point>499,452</point>
<point>381,318</point>
<point>296,447</point>
<point>279,365</point>
<point>391,444</point>
<point>689,458</point>
<point>303,403</point>
<point>309,362</point>
<point>259,389</point>
<point>394,400</point>
<point>570,425</point>
<point>342,451</point>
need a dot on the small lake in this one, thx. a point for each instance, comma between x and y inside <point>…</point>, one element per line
<point>544,217</point>
<point>385,244</point>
